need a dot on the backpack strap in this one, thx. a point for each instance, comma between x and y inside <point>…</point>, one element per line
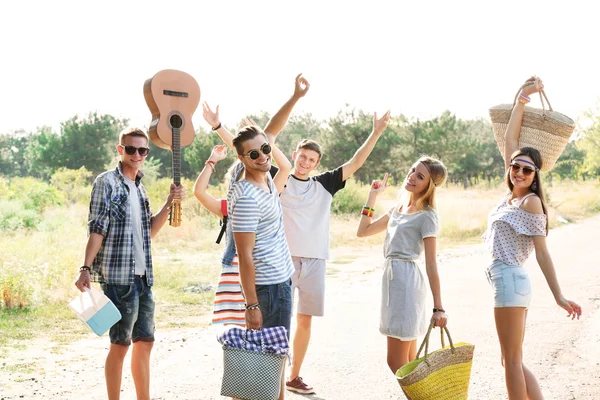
<point>224,222</point>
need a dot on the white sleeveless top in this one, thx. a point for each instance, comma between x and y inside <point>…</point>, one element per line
<point>510,230</point>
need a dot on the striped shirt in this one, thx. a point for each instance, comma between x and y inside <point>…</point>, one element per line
<point>251,209</point>
<point>110,216</point>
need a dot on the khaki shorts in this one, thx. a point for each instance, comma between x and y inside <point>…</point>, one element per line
<point>309,279</point>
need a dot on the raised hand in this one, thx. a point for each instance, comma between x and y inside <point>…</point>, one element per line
<point>211,118</point>
<point>536,86</point>
<point>218,153</point>
<point>378,186</point>
<point>379,125</point>
<point>301,87</point>
<point>249,122</point>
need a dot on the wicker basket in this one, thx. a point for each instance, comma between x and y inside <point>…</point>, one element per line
<point>545,130</point>
<point>441,375</point>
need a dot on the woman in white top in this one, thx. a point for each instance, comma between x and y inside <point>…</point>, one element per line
<point>516,227</point>
<point>412,226</point>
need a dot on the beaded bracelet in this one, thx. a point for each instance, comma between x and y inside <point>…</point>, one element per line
<point>368,211</point>
<point>252,306</point>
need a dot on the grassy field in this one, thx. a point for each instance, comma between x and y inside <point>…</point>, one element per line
<point>38,266</point>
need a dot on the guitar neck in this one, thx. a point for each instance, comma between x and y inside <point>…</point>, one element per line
<point>176,149</point>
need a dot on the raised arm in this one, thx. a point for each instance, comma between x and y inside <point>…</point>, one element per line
<point>276,124</point>
<point>363,152</point>
<point>212,118</point>
<point>207,200</point>
<point>285,167</point>
<point>367,226</point>
<point>513,129</point>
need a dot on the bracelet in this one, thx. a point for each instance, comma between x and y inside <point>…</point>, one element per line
<point>211,164</point>
<point>523,98</point>
<point>252,306</point>
<point>436,309</point>
<point>368,211</point>
<point>216,128</point>
<point>85,268</point>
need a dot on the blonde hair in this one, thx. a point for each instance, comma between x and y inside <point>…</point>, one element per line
<point>438,174</point>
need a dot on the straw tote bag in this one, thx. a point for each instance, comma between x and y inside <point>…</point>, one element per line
<point>441,375</point>
<point>545,130</point>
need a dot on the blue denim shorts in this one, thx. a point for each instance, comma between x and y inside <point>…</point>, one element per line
<point>511,285</point>
<point>276,304</point>
<point>136,305</point>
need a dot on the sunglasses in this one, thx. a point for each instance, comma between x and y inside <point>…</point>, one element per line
<point>142,151</point>
<point>526,170</point>
<point>254,154</point>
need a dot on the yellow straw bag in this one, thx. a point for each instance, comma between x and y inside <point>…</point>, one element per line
<point>441,375</point>
<point>545,130</point>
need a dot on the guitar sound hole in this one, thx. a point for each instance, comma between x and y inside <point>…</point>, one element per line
<point>176,121</point>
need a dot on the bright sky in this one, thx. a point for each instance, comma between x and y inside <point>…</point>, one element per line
<point>419,58</point>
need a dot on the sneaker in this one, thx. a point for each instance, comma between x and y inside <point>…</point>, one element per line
<point>297,385</point>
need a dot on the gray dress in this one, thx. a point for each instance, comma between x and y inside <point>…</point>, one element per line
<point>404,290</point>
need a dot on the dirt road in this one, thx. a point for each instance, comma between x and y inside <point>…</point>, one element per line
<point>346,358</point>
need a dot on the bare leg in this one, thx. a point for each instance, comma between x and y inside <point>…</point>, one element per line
<point>113,370</point>
<point>510,325</point>
<point>300,343</point>
<point>399,352</point>
<point>534,392</point>
<point>140,368</point>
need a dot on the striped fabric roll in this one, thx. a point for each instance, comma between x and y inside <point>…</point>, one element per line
<point>229,306</point>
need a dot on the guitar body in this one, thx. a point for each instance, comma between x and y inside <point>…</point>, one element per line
<point>170,94</point>
<point>172,97</point>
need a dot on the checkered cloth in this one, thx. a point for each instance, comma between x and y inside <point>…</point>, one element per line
<point>274,340</point>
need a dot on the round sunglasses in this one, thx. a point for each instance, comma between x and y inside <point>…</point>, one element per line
<point>142,151</point>
<point>526,170</point>
<point>254,154</point>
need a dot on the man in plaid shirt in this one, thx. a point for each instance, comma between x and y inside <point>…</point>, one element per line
<point>118,256</point>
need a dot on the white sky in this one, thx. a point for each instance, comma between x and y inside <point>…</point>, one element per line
<point>419,58</point>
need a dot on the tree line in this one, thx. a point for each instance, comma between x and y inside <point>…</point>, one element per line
<point>467,147</point>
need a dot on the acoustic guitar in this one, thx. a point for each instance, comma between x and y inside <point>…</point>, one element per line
<point>172,97</point>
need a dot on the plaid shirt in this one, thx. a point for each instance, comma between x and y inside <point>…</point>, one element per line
<point>110,216</point>
<point>273,340</point>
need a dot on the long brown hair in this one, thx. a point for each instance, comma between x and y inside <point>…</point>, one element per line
<point>438,173</point>
<point>536,157</point>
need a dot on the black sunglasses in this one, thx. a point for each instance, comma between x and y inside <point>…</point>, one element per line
<point>526,170</point>
<point>254,154</point>
<point>142,151</point>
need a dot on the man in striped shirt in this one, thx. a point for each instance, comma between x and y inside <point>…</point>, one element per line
<point>257,223</point>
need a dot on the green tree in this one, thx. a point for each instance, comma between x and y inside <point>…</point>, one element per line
<point>87,142</point>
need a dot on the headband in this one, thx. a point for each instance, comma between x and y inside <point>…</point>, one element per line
<point>428,170</point>
<point>525,161</point>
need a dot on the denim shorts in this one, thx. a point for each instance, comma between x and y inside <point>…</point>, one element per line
<point>511,285</point>
<point>276,304</point>
<point>136,305</point>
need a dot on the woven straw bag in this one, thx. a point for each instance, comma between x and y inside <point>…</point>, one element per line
<point>252,375</point>
<point>545,130</point>
<point>441,375</point>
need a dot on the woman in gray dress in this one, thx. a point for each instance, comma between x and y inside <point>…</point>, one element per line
<point>412,227</point>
